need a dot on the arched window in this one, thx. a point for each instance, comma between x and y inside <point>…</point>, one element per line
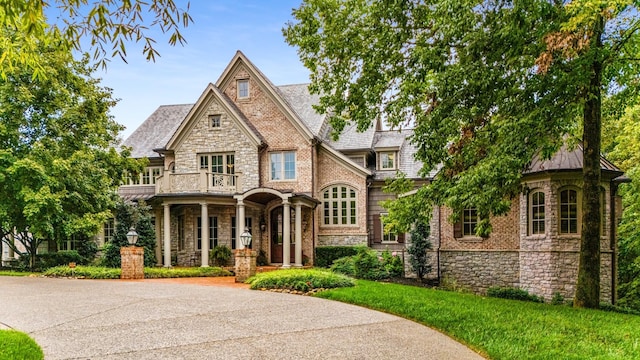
<point>569,211</point>
<point>340,204</point>
<point>536,212</point>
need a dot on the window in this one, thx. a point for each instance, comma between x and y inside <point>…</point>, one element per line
<point>213,232</point>
<point>181,232</point>
<point>219,164</point>
<point>109,230</point>
<point>247,224</point>
<point>536,213</point>
<point>243,89</point>
<point>387,237</point>
<point>339,205</point>
<point>387,160</point>
<point>568,211</point>
<point>214,121</point>
<point>283,165</point>
<point>148,176</point>
<point>469,222</point>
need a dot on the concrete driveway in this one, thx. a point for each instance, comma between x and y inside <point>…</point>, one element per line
<point>112,319</point>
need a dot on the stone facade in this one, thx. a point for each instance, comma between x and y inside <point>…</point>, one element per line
<point>132,262</point>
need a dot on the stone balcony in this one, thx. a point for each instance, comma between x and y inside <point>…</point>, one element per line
<point>199,182</point>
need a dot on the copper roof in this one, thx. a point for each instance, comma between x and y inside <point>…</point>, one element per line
<point>566,159</point>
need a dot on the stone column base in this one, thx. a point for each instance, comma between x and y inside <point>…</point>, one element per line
<point>132,262</point>
<point>245,264</point>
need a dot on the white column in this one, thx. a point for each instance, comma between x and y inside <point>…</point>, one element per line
<point>204,234</point>
<point>298,231</point>
<point>167,235</point>
<point>239,223</point>
<point>286,234</point>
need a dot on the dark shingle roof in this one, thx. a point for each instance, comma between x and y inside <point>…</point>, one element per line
<point>351,139</point>
<point>301,102</point>
<point>155,132</point>
<point>568,159</point>
<point>399,140</point>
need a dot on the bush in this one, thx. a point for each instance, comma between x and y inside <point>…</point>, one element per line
<point>301,280</point>
<point>220,255</point>
<point>326,255</point>
<point>513,294</point>
<point>261,259</point>
<point>557,299</point>
<point>344,266</point>
<point>49,260</point>
<point>98,272</point>
<point>418,250</point>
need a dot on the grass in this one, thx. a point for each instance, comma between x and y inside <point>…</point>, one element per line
<point>18,345</point>
<point>97,272</point>
<point>14,273</point>
<point>504,329</point>
<point>301,280</point>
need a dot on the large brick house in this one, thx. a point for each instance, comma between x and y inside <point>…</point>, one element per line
<point>252,155</point>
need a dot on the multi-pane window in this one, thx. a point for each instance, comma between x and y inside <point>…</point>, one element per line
<point>536,213</point>
<point>339,205</point>
<point>219,164</point>
<point>109,230</point>
<point>247,224</point>
<point>243,89</point>
<point>387,236</point>
<point>387,160</point>
<point>213,232</point>
<point>214,121</point>
<point>283,165</point>
<point>147,177</point>
<point>181,232</point>
<point>568,211</point>
<point>469,222</point>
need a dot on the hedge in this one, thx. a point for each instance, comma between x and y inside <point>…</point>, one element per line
<point>326,255</point>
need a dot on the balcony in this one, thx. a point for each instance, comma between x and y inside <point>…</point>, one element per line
<point>199,182</point>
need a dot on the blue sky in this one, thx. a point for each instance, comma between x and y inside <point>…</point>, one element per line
<point>180,74</point>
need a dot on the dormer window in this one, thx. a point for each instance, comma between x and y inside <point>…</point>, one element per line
<point>243,89</point>
<point>215,121</point>
<point>387,160</point>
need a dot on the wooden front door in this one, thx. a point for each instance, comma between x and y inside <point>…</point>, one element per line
<point>277,230</point>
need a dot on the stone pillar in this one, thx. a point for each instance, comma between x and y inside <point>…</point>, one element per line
<point>240,223</point>
<point>158,249</point>
<point>167,235</point>
<point>132,262</point>
<point>245,264</point>
<point>204,234</point>
<point>286,234</point>
<point>298,235</point>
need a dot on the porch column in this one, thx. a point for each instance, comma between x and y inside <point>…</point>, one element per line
<point>239,223</point>
<point>167,235</point>
<point>158,229</point>
<point>204,234</point>
<point>298,235</point>
<point>286,234</point>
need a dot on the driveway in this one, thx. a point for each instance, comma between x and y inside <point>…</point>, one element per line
<point>113,319</point>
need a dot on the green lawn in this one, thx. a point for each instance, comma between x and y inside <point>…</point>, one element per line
<point>504,329</point>
<point>15,273</point>
<point>18,345</point>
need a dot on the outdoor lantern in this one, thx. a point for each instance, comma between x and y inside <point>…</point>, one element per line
<point>245,238</point>
<point>132,236</point>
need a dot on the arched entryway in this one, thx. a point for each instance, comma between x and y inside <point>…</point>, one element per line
<point>276,236</point>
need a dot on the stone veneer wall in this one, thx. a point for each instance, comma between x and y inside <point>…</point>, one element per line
<point>341,240</point>
<point>479,270</point>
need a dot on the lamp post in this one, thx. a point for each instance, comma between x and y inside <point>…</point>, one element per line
<point>132,236</point>
<point>245,238</point>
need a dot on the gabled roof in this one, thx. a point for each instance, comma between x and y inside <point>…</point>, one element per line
<point>156,131</point>
<point>213,92</point>
<point>240,59</point>
<point>301,101</point>
<point>399,140</point>
<point>566,159</point>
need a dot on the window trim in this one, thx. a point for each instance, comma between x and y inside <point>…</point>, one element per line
<point>384,235</point>
<point>283,162</point>
<point>147,177</point>
<point>394,159</point>
<point>239,93</point>
<point>215,121</point>
<point>473,223</point>
<point>109,226</point>
<point>334,212</point>
<point>214,230</point>
<point>578,211</point>
<point>531,205</point>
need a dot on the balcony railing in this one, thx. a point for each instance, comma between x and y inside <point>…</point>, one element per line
<point>198,182</point>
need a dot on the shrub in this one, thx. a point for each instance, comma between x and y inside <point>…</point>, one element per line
<point>326,255</point>
<point>299,279</point>
<point>261,259</point>
<point>418,250</point>
<point>557,299</point>
<point>98,272</point>
<point>344,266</point>
<point>618,309</point>
<point>220,254</point>
<point>49,260</point>
<point>513,294</point>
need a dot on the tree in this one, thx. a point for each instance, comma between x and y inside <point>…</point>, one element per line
<point>129,215</point>
<point>486,84</point>
<point>418,249</point>
<point>60,161</point>
<point>107,25</point>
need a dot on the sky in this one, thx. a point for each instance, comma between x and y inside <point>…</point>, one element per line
<point>181,73</point>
